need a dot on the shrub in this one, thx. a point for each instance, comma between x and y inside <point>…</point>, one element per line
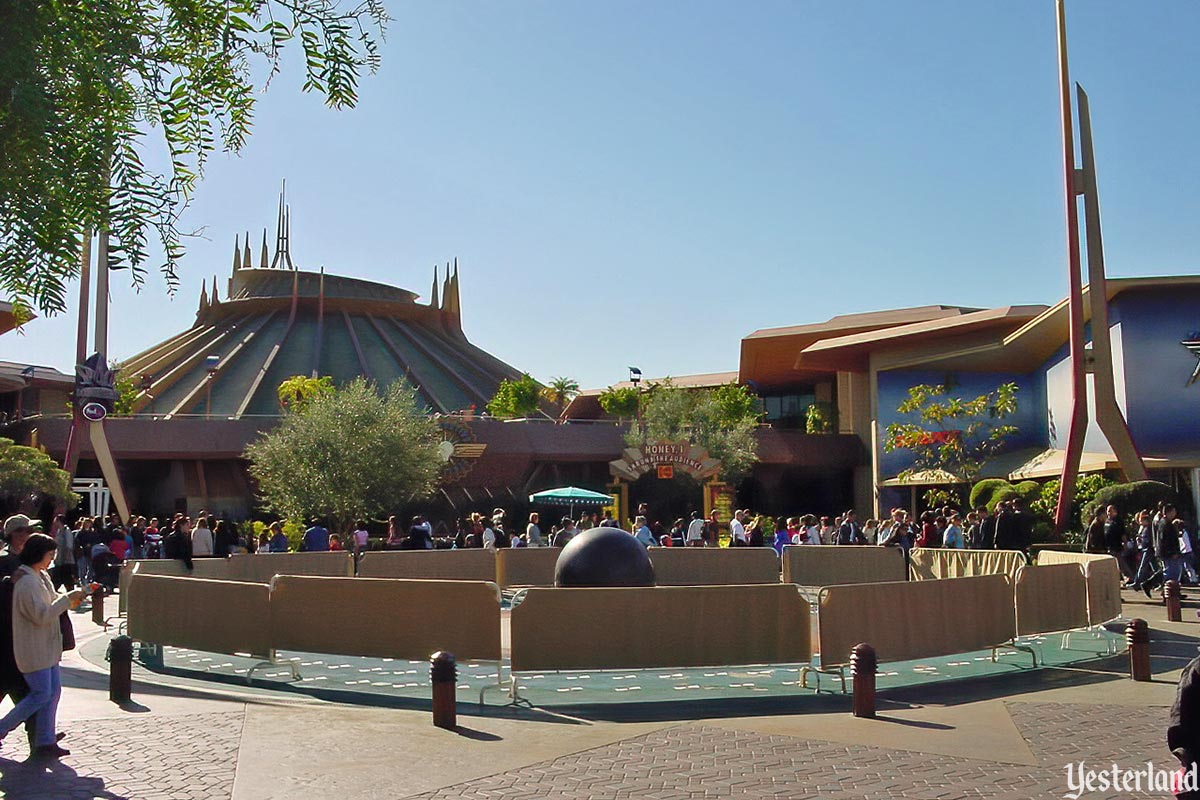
<point>1130,498</point>
<point>941,496</point>
<point>1029,491</point>
<point>1002,495</point>
<point>1044,533</point>
<point>983,492</point>
<point>820,417</point>
<point>1086,487</point>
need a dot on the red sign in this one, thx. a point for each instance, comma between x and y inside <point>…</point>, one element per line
<point>666,472</point>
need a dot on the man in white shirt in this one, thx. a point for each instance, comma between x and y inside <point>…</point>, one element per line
<point>737,531</point>
<point>488,537</point>
<point>695,530</point>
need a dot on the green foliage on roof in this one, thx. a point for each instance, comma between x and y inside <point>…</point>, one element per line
<point>297,392</point>
<point>516,398</point>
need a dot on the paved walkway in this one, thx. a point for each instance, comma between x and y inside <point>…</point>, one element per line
<point>1008,736</point>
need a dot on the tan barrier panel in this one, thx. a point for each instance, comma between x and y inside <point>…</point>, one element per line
<point>929,563</point>
<point>261,567</point>
<point>705,566</point>
<point>148,566</point>
<point>830,565</point>
<point>220,569</point>
<point>1050,598</point>
<point>1103,590</point>
<point>474,564</point>
<point>664,626</point>
<point>213,616</point>
<point>916,619</point>
<point>1068,557</point>
<point>526,566</point>
<point>386,618</point>
<point>1103,578</point>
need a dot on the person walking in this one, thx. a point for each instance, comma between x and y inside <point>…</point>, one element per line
<point>533,534</point>
<point>83,549</point>
<point>1116,541</point>
<point>64,559</point>
<point>37,644</point>
<point>737,530</point>
<point>278,543</point>
<point>316,538</point>
<point>1166,547</point>
<point>695,530</point>
<point>202,539</point>
<point>952,537</point>
<point>178,545</point>
<point>224,539</point>
<point>361,537</point>
<point>643,533</point>
<point>1093,537</point>
<point>17,529</point>
<point>848,532</point>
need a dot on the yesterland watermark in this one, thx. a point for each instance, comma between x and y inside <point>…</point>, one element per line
<point>1083,780</point>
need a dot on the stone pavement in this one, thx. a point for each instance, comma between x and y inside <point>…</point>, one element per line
<point>694,761</point>
<point>187,757</point>
<point>1005,737</point>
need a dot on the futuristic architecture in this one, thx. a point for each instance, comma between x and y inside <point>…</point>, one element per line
<point>276,321</point>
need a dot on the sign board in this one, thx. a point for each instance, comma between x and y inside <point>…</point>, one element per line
<point>666,472</point>
<point>719,497</point>
<point>683,456</point>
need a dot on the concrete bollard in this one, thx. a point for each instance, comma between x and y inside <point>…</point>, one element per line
<point>98,607</point>
<point>443,675</point>
<point>1171,598</point>
<point>120,664</point>
<point>863,666</point>
<point>1137,636</point>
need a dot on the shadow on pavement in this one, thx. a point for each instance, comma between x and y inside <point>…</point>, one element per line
<point>51,779</point>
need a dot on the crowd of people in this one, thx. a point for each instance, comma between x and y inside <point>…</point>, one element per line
<point>1161,547</point>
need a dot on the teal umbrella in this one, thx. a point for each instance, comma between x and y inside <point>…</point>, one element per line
<point>570,496</point>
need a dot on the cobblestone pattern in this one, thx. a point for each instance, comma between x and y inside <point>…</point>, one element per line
<point>694,762</point>
<point>137,757</point>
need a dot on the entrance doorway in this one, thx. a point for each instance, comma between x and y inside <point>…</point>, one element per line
<point>669,498</point>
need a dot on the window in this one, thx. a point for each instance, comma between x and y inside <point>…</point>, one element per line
<point>789,410</point>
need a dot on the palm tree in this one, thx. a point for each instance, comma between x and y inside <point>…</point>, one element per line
<point>560,391</point>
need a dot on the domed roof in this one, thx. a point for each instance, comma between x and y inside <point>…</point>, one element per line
<point>278,321</point>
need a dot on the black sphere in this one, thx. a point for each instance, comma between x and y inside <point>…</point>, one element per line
<point>603,557</point>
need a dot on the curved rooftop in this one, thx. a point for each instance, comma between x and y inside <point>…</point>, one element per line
<point>276,321</point>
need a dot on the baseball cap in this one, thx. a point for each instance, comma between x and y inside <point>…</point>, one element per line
<point>15,523</point>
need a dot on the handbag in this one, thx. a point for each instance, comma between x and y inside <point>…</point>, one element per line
<point>67,630</point>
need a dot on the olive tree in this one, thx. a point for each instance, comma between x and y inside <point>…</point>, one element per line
<point>351,452</point>
<point>28,475</point>
<point>722,420</point>
<point>91,91</point>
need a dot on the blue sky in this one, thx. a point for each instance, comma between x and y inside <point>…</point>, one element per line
<point>646,183</point>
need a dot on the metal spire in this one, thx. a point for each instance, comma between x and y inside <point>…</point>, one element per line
<point>237,249</point>
<point>262,261</point>
<point>246,255</point>
<point>283,235</point>
<point>433,297</point>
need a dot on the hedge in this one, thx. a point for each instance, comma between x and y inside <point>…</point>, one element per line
<point>1130,498</point>
<point>984,492</point>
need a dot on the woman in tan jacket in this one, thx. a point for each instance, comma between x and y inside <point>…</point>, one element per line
<point>37,643</point>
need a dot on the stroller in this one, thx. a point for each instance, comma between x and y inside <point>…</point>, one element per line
<point>106,567</point>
